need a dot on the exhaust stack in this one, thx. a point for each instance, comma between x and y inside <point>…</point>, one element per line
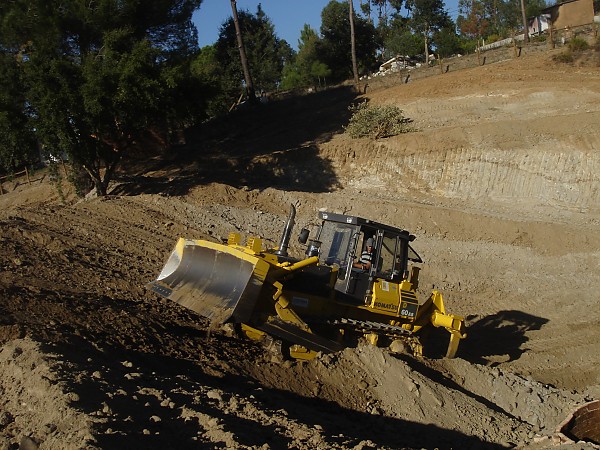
<point>287,232</point>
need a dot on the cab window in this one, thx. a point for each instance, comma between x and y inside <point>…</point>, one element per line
<point>387,255</point>
<point>337,239</point>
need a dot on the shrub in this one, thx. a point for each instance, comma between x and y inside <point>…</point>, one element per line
<point>565,57</point>
<point>493,38</point>
<point>377,121</point>
<point>469,46</point>
<point>578,44</point>
<point>539,38</point>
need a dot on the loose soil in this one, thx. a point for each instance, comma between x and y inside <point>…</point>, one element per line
<point>500,185</point>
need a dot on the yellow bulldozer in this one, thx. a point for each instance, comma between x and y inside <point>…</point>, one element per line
<point>321,302</point>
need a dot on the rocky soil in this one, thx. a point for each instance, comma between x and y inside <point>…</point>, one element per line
<point>499,184</point>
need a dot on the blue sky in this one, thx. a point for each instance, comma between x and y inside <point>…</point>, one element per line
<point>288,16</point>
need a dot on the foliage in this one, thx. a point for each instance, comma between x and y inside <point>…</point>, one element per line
<point>206,68</point>
<point>539,38</point>
<point>334,48</point>
<point>97,75</point>
<point>400,40</point>
<point>578,44</point>
<point>266,53</point>
<point>17,140</point>
<point>477,19</point>
<point>447,42</point>
<point>534,7</point>
<point>306,69</point>
<point>575,45</point>
<point>383,10</point>
<point>484,18</point>
<point>492,38</point>
<point>506,18</point>
<point>377,121</point>
<point>56,179</point>
<point>427,17</point>
<point>468,45</point>
<point>473,20</point>
<point>564,57</point>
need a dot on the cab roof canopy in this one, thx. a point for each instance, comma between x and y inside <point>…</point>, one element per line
<point>360,221</point>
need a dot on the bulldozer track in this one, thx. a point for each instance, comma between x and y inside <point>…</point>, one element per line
<point>373,327</point>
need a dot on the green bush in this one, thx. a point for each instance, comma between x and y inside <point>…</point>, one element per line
<point>578,44</point>
<point>493,38</point>
<point>377,121</point>
<point>539,38</point>
<point>565,57</point>
<point>469,46</point>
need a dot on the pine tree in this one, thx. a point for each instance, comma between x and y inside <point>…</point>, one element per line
<point>97,75</point>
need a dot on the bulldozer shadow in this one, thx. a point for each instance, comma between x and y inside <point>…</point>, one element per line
<point>499,337</point>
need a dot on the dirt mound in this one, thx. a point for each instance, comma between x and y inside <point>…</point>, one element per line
<point>500,187</point>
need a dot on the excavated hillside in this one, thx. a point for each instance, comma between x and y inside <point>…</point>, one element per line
<point>500,185</point>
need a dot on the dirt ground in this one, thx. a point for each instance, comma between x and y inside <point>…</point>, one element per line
<point>499,184</point>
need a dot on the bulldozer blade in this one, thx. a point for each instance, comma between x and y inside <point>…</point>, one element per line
<point>214,280</point>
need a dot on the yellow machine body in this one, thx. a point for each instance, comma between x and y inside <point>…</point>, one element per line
<point>314,303</point>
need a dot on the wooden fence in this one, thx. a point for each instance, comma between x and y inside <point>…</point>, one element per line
<point>16,174</point>
<point>28,175</point>
<point>567,33</point>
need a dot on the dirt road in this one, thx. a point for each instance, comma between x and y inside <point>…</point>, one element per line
<point>499,184</point>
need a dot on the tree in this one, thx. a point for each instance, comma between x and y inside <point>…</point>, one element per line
<point>473,20</point>
<point>206,69</point>
<point>334,49</point>
<point>266,53</point>
<point>17,140</point>
<point>353,44</point>
<point>427,17</point>
<point>306,69</point>
<point>447,42</point>
<point>485,18</point>
<point>385,9</point>
<point>389,15</point>
<point>320,72</point>
<point>98,75</point>
<point>243,58</point>
<point>401,40</point>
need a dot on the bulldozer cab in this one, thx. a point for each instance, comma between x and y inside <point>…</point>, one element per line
<point>343,238</point>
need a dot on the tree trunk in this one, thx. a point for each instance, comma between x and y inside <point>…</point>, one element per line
<point>353,46</point>
<point>101,182</point>
<point>94,173</point>
<point>243,58</point>
<point>426,47</point>
<point>525,26</point>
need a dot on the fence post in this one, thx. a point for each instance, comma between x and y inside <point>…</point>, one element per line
<point>27,175</point>
<point>1,190</point>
